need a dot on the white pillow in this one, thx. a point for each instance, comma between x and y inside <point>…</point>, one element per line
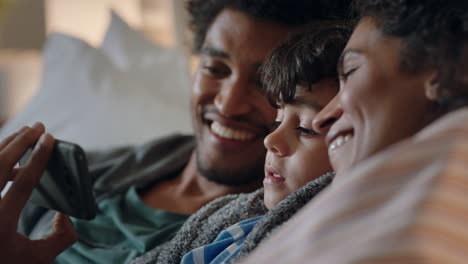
<point>128,92</point>
<point>127,48</point>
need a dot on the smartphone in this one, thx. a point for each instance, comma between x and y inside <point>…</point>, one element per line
<point>66,185</point>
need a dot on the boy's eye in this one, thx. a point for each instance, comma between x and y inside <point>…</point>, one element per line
<point>306,132</point>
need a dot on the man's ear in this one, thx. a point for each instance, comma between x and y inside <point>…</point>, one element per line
<point>431,86</point>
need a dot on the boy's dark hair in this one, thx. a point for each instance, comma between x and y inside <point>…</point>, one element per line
<point>304,59</point>
<point>435,36</point>
<point>287,12</point>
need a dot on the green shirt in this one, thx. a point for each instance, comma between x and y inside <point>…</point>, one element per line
<point>124,228</point>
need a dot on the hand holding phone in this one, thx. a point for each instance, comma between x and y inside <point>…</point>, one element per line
<point>24,179</point>
<point>66,185</point>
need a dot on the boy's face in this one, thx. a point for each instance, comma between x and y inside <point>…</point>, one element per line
<point>296,153</point>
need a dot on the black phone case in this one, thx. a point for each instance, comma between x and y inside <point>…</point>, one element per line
<point>66,185</point>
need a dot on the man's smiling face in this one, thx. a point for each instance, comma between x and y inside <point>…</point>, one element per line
<point>230,116</point>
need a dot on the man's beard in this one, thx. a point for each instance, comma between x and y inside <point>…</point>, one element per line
<point>239,176</point>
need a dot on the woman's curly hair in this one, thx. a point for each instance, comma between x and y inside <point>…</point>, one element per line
<point>288,12</point>
<point>435,36</point>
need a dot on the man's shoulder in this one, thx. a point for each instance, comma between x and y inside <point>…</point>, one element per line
<point>173,142</point>
<point>116,170</point>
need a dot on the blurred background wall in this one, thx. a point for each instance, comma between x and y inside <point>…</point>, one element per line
<point>25,24</point>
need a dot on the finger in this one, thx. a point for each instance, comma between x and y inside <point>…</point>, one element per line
<point>9,177</point>
<point>15,149</point>
<point>11,153</point>
<point>10,138</point>
<point>28,177</point>
<point>5,176</point>
<point>63,236</point>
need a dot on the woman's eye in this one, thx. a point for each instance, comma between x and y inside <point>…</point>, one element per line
<point>306,132</point>
<point>345,74</point>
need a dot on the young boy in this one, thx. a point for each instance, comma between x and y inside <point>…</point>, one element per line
<point>299,78</point>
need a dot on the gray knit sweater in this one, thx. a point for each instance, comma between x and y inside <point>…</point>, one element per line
<point>203,226</point>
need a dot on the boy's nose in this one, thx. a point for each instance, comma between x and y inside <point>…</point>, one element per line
<point>276,143</point>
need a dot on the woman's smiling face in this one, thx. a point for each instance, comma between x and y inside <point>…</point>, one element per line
<point>378,104</point>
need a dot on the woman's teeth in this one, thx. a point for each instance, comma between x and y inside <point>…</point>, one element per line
<point>339,141</point>
<point>229,133</point>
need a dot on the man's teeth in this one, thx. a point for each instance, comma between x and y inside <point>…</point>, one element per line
<point>229,133</point>
<point>339,141</point>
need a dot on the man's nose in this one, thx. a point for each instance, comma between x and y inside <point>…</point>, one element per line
<point>233,98</point>
<point>328,116</point>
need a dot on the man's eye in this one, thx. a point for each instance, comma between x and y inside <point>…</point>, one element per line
<point>306,132</point>
<point>215,71</point>
<point>212,70</point>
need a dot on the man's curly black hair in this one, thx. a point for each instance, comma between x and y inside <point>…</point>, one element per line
<point>434,35</point>
<point>304,59</point>
<point>287,12</point>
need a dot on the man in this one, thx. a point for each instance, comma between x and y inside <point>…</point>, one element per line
<point>403,67</point>
<point>144,195</point>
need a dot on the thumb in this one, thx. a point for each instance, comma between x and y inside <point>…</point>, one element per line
<point>63,236</point>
